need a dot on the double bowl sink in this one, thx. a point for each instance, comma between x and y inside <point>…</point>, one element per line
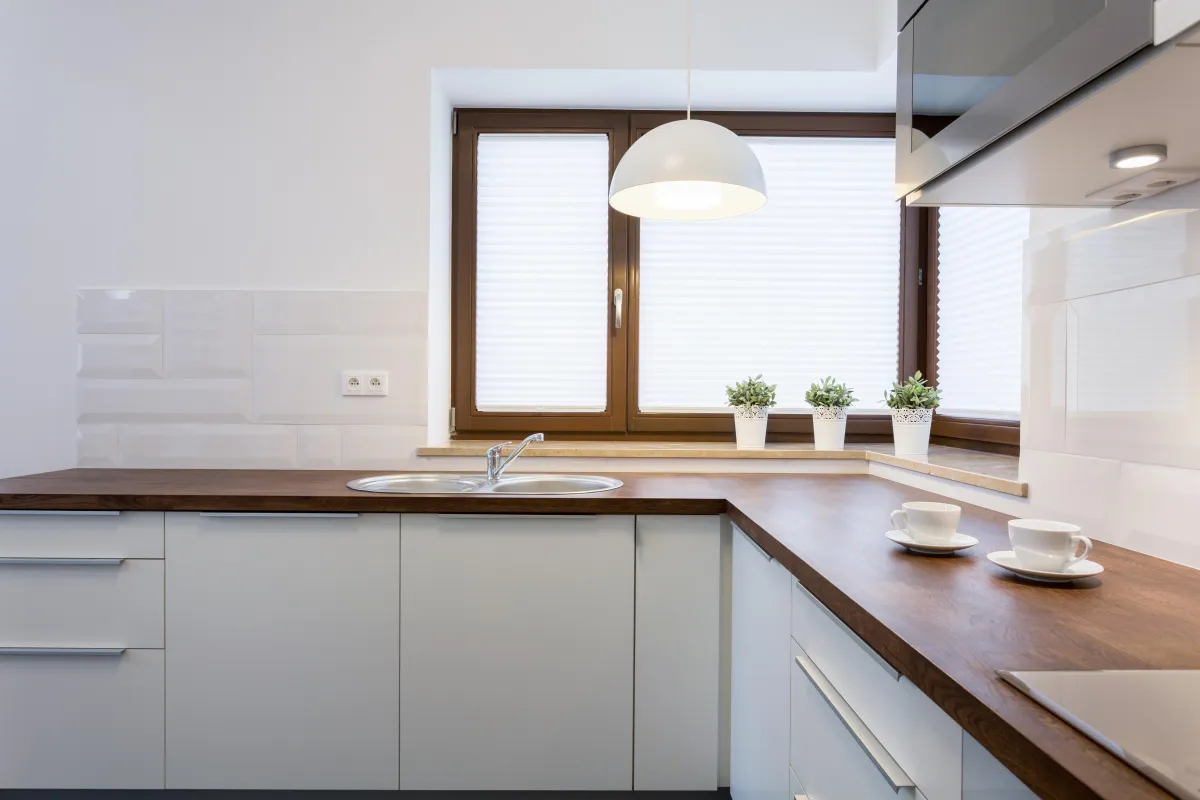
<point>436,483</point>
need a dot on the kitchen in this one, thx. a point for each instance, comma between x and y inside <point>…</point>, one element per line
<point>219,214</point>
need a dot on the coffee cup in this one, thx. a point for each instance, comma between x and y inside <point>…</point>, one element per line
<point>1046,545</point>
<point>931,523</point>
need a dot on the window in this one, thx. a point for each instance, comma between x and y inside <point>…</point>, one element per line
<point>576,320</point>
<point>980,259</point>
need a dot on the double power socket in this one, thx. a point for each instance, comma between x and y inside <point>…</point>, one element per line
<point>360,382</point>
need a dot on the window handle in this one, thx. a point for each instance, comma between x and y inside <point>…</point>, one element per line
<point>618,306</point>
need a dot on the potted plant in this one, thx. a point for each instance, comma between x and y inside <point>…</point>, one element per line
<point>912,404</point>
<point>751,399</point>
<point>829,401</point>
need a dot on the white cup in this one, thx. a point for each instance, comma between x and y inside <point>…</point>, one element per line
<point>931,523</point>
<point>1046,545</point>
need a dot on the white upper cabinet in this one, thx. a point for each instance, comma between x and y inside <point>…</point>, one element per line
<point>517,652</point>
<point>283,650</point>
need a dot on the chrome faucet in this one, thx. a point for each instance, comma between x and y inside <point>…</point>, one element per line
<point>496,466</point>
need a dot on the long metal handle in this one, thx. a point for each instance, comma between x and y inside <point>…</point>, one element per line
<point>892,772</point>
<point>62,651</point>
<point>757,546</point>
<point>892,672</point>
<point>25,512</point>
<point>277,514</point>
<point>618,306</point>
<point>64,562</point>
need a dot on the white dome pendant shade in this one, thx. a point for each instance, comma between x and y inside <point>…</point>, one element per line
<point>689,169</point>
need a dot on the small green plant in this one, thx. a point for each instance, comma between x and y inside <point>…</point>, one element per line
<point>828,394</point>
<point>751,392</point>
<point>913,393</point>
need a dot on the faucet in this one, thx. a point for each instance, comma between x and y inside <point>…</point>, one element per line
<point>496,466</point>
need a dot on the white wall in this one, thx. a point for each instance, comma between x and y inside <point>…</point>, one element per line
<point>1110,434</point>
<point>286,144</point>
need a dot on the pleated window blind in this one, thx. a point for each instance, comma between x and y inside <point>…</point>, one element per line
<point>541,287</point>
<point>980,265</point>
<point>807,287</point>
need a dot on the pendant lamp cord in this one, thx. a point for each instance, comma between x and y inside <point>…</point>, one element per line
<point>689,58</point>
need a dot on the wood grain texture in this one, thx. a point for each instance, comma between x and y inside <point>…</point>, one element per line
<point>947,624</point>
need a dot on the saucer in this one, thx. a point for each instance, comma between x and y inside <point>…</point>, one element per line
<point>959,541</point>
<point>1006,559</point>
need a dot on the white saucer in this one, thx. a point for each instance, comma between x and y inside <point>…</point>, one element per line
<point>1005,559</point>
<point>959,541</point>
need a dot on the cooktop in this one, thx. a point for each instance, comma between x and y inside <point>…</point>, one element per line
<point>1148,718</point>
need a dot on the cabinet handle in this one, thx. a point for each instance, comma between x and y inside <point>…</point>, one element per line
<point>29,512</point>
<point>854,637</point>
<point>64,562</point>
<point>62,651</point>
<point>892,772</point>
<point>516,516</point>
<point>277,515</point>
<point>757,546</point>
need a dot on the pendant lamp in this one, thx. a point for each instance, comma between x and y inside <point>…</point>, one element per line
<point>688,169</point>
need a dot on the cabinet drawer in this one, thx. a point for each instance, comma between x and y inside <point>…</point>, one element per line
<point>923,738</point>
<point>77,603</point>
<point>833,753</point>
<point>82,534</point>
<point>82,722</point>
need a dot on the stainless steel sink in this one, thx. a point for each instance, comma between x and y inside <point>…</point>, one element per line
<point>553,484</point>
<point>435,483</point>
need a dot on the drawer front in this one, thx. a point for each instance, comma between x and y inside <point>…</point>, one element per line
<point>81,603</point>
<point>830,761</point>
<point>108,534</point>
<point>922,738</point>
<point>82,722</point>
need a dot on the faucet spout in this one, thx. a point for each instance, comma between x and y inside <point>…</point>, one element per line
<point>496,464</point>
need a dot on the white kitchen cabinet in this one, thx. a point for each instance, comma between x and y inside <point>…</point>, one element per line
<point>677,655</point>
<point>283,648</point>
<point>69,720</point>
<point>985,778</point>
<point>81,534</point>
<point>517,652</point>
<point>760,718</point>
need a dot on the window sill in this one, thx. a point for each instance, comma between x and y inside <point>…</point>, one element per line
<point>985,470</point>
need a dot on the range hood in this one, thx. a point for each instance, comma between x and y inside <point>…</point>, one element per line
<point>1060,156</point>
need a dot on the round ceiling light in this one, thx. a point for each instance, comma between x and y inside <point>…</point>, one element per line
<point>1142,155</point>
<point>688,169</point>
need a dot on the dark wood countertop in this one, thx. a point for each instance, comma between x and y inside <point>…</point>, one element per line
<point>947,624</point>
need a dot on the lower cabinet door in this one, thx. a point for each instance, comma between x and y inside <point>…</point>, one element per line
<point>517,657</point>
<point>74,721</point>
<point>283,651</point>
<point>832,752</point>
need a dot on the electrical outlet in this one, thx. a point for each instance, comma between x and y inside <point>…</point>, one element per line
<point>353,383</point>
<point>375,383</point>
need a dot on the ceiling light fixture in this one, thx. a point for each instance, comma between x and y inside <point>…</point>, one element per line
<point>1142,155</point>
<point>688,169</point>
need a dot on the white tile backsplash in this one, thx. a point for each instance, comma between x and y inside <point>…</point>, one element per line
<point>220,378</point>
<point>297,379</point>
<point>208,334</point>
<point>120,355</point>
<point>340,313</point>
<point>118,311</point>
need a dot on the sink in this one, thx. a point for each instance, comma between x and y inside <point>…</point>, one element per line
<point>432,483</point>
<point>553,484</point>
<point>435,483</point>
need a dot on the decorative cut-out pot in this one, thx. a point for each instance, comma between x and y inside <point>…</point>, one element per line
<point>829,428</point>
<point>750,425</point>
<point>910,430</point>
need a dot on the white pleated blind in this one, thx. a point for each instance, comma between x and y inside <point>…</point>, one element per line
<point>541,312</point>
<point>807,287</point>
<point>980,265</point>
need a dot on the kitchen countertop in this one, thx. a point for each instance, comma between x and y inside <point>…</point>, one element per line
<point>947,624</point>
<point>987,470</point>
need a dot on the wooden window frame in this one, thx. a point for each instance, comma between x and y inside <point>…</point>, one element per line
<point>917,335</point>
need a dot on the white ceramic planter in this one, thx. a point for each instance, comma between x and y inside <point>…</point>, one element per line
<point>750,425</point>
<point>829,428</point>
<point>910,430</point>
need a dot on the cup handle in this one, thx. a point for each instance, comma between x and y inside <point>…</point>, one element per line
<point>900,521</point>
<point>1078,539</point>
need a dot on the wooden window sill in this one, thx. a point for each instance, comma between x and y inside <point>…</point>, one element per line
<point>985,470</point>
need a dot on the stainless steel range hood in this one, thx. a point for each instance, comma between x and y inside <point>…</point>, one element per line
<point>1061,156</point>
